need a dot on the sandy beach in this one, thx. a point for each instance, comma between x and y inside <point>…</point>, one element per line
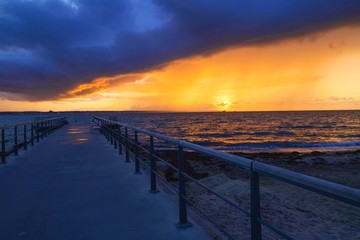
<point>298,212</point>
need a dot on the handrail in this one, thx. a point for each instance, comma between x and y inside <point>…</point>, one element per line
<point>336,191</point>
<point>32,122</point>
<point>28,132</point>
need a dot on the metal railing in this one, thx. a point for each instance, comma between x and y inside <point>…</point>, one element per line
<point>15,137</point>
<point>118,134</point>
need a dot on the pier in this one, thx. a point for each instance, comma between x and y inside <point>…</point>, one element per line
<point>74,186</point>
<point>80,184</point>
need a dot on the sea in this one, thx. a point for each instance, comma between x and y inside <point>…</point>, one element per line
<point>286,131</point>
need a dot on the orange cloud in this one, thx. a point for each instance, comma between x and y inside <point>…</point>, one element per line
<point>289,75</point>
<point>99,85</point>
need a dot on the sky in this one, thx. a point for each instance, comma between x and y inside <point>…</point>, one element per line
<point>199,55</point>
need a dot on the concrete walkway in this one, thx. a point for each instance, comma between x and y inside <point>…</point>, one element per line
<point>73,185</point>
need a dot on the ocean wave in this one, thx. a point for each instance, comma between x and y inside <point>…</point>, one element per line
<point>264,133</point>
<point>284,145</point>
<point>284,133</point>
<point>336,144</point>
<point>305,127</point>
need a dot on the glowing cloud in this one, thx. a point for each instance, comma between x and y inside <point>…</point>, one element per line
<point>49,48</point>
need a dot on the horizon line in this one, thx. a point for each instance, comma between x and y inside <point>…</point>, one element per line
<point>166,111</point>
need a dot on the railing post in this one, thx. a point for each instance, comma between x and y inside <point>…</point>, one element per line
<point>120,140</point>
<point>183,222</point>
<point>255,206</point>
<point>3,149</point>
<point>25,138</point>
<point>15,142</point>
<point>37,132</point>
<point>137,162</point>
<point>42,130</point>
<point>107,131</point>
<point>127,158</point>
<point>111,134</point>
<point>101,127</point>
<point>115,138</point>
<point>48,127</point>
<point>153,188</point>
<point>45,130</point>
<point>32,134</point>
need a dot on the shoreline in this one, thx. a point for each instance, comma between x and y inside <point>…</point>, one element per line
<point>329,149</point>
<point>342,167</point>
<point>339,167</point>
<point>299,212</point>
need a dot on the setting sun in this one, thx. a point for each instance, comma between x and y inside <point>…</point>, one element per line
<point>224,106</point>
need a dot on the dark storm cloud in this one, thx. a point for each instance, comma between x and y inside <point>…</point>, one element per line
<point>49,47</point>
